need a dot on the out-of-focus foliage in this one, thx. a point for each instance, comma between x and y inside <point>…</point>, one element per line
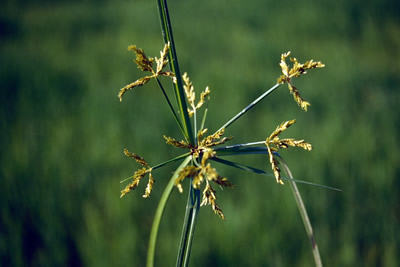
<point>63,131</point>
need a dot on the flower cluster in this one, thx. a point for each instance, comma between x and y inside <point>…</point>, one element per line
<point>138,175</point>
<point>296,70</point>
<point>146,64</point>
<point>191,97</point>
<point>202,149</point>
<point>202,170</point>
<point>273,144</point>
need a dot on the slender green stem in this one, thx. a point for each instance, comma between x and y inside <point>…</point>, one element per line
<point>193,205</point>
<point>171,107</point>
<point>171,160</point>
<point>192,210</point>
<point>162,164</point>
<point>303,213</point>
<point>160,211</point>
<point>173,63</point>
<point>240,145</point>
<point>252,104</point>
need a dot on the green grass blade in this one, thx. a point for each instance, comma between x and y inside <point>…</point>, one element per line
<point>303,213</point>
<point>160,211</point>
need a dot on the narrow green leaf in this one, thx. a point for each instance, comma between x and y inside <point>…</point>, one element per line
<point>241,166</point>
<point>303,213</point>
<point>160,211</point>
<point>262,172</point>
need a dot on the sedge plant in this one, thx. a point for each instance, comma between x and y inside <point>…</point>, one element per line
<point>200,148</point>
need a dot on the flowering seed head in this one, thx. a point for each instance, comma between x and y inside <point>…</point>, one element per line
<point>143,63</point>
<point>146,64</point>
<point>209,198</point>
<point>296,70</point>
<point>138,158</point>
<point>130,187</point>
<point>171,141</point>
<point>273,144</point>
<point>149,186</point>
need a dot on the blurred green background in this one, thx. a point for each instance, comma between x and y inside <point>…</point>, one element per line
<point>63,131</point>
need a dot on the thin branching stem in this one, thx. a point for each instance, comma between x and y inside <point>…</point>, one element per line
<point>161,164</point>
<point>171,160</point>
<point>170,106</point>
<point>252,104</point>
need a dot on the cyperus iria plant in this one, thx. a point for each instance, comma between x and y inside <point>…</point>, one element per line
<point>199,149</point>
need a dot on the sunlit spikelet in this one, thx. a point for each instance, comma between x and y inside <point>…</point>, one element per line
<point>304,104</point>
<point>210,140</point>
<point>162,61</point>
<point>191,96</point>
<point>198,178</point>
<point>212,175</point>
<point>187,172</point>
<point>201,133</point>
<point>171,141</point>
<point>144,63</point>
<point>138,158</point>
<point>137,176</point>
<point>203,97</point>
<point>285,143</point>
<point>207,154</point>
<point>284,66</point>
<point>168,74</point>
<point>209,198</point>
<point>130,187</point>
<point>282,127</point>
<point>275,166</point>
<point>149,186</point>
<point>189,89</point>
<point>139,82</point>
